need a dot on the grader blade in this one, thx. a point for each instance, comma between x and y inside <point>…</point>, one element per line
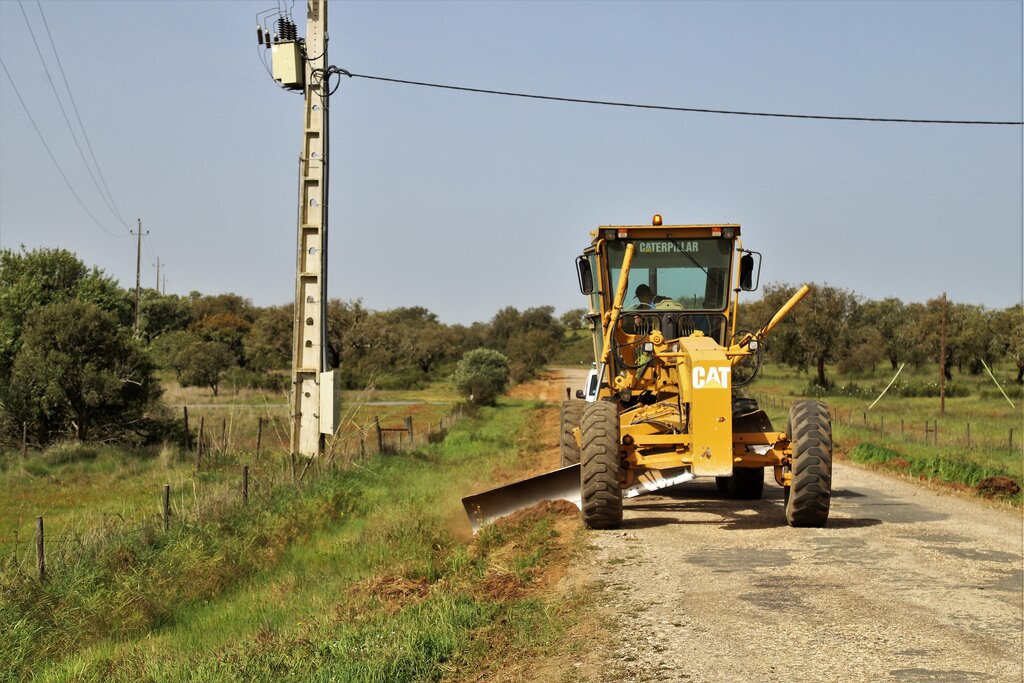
<point>561,484</point>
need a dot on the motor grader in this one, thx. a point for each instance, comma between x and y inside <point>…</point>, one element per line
<point>671,367</point>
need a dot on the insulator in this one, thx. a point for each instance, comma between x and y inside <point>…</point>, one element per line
<point>259,34</point>
<point>282,28</point>
<point>293,31</point>
<point>266,39</point>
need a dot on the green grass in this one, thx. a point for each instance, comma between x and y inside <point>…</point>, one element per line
<point>896,424</point>
<point>360,575</point>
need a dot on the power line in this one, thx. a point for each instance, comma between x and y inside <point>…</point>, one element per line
<point>697,110</point>
<point>60,105</point>
<point>78,116</point>
<point>52,157</point>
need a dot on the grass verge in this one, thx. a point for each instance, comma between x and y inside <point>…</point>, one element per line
<point>363,575</point>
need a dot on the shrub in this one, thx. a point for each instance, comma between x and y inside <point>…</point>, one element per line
<point>481,375</point>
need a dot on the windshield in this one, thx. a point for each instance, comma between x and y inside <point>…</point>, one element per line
<point>669,273</point>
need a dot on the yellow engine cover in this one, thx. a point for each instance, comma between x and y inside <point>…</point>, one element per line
<point>706,381</point>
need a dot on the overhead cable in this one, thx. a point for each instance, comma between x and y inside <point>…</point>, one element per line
<point>60,105</point>
<point>52,157</point>
<point>78,116</point>
<point>697,110</point>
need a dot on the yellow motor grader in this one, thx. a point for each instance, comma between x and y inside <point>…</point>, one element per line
<point>670,361</point>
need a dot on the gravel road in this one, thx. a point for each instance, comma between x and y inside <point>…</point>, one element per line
<point>904,584</point>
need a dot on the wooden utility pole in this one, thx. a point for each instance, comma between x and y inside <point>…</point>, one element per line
<point>138,271</point>
<point>942,360</point>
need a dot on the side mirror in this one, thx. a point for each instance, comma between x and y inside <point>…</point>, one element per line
<point>585,275</point>
<point>748,282</point>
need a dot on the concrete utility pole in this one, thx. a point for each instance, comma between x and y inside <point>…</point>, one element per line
<point>138,271</point>
<point>158,274</point>
<point>301,66</point>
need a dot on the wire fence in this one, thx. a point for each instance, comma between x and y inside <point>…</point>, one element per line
<point>929,432</point>
<point>200,501</point>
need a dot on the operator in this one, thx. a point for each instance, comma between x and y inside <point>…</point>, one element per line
<point>647,296</point>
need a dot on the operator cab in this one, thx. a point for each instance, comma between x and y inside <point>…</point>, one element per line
<point>681,278</point>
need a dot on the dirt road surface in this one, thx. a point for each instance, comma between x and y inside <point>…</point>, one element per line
<point>905,584</point>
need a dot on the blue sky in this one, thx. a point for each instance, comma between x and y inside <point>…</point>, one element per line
<point>466,203</point>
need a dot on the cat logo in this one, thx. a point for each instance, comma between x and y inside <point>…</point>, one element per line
<point>711,378</point>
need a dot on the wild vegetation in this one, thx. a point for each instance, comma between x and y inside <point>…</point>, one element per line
<point>359,574</point>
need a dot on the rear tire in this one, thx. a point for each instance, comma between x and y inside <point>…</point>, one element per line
<point>572,416</point>
<point>746,483</point>
<point>601,466</point>
<point>810,490</point>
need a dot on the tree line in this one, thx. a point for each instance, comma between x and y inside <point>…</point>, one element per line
<point>837,326</point>
<point>73,364</point>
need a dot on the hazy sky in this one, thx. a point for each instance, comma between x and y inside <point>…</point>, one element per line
<point>466,203</point>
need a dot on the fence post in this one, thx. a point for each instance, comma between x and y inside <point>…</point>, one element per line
<point>245,484</point>
<point>224,434</point>
<point>865,418</point>
<point>408,428</point>
<point>901,426</point>
<point>380,435</point>
<point>167,506</point>
<point>259,435</point>
<point>188,434</point>
<point>362,446</point>
<point>968,434</point>
<point>40,551</point>
<point>24,440</point>
<point>199,442</point>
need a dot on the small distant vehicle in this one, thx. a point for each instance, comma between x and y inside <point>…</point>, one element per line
<point>590,393</point>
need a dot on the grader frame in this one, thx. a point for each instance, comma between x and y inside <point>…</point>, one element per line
<point>669,369</point>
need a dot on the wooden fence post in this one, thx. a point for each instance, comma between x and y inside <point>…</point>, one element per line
<point>167,506</point>
<point>968,434</point>
<point>188,434</point>
<point>245,484</point>
<point>259,435</point>
<point>865,418</point>
<point>24,440</point>
<point>199,442</point>
<point>224,434</point>
<point>362,445</point>
<point>380,435</point>
<point>408,428</point>
<point>40,551</point>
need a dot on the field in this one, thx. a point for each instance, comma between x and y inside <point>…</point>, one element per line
<point>978,436</point>
<point>358,573</point>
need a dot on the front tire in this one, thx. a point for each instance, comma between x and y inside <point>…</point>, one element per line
<point>601,466</point>
<point>571,418</point>
<point>810,490</point>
